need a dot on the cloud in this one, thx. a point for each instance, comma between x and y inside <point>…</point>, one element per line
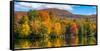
<point>91,13</point>
<point>64,7</point>
<point>21,7</point>
<point>38,6</point>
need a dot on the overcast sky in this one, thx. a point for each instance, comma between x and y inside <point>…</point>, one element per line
<point>75,9</point>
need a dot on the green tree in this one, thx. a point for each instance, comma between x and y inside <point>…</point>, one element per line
<point>32,14</point>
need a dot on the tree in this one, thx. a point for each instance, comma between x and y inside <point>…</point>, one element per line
<point>74,33</point>
<point>32,14</point>
<point>24,29</point>
<point>44,15</point>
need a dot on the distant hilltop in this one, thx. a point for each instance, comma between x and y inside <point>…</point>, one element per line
<point>58,13</point>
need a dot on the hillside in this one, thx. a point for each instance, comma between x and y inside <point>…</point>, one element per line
<point>57,13</point>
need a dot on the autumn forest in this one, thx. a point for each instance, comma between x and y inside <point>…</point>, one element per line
<point>53,27</point>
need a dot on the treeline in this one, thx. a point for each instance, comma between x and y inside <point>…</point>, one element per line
<point>43,29</point>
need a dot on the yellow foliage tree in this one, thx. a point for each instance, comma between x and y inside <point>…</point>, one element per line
<point>24,27</point>
<point>57,28</point>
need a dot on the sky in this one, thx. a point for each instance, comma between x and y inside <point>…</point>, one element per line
<point>75,9</point>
